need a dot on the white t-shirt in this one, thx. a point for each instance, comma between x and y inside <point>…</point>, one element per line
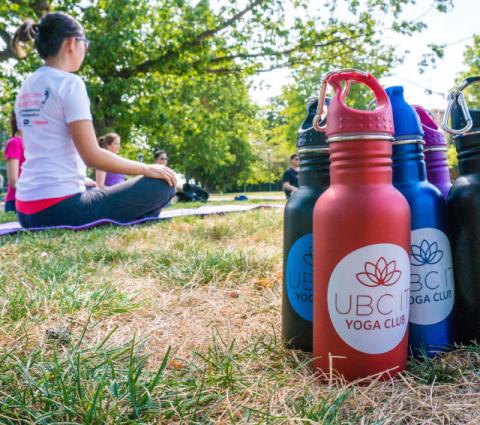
<point>48,101</point>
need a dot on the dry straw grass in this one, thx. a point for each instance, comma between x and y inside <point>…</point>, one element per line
<point>189,319</point>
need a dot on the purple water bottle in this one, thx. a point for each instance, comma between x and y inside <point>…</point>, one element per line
<point>435,152</point>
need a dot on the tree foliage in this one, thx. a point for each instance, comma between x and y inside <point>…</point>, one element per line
<point>175,73</point>
<point>286,112</point>
<point>472,63</point>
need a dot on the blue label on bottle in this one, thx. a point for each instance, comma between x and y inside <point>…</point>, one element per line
<point>299,277</point>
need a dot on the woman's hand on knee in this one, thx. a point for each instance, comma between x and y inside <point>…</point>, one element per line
<point>156,171</point>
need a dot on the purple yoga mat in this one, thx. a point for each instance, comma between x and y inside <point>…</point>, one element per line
<point>14,226</point>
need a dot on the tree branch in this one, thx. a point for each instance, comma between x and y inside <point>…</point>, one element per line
<point>238,69</point>
<point>288,51</point>
<point>286,64</point>
<point>197,40</point>
<point>228,22</point>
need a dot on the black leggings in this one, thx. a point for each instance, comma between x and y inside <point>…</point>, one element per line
<point>10,206</point>
<point>134,199</point>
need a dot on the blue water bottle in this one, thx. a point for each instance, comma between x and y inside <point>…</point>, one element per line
<point>431,274</point>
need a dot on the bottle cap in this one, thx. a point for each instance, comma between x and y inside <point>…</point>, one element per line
<point>345,123</point>
<point>407,123</point>
<point>306,135</point>
<point>432,135</point>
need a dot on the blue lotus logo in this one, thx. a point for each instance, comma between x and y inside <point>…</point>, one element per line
<point>425,253</point>
<point>308,258</point>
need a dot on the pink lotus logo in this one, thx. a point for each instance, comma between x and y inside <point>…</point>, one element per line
<point>379,274</point>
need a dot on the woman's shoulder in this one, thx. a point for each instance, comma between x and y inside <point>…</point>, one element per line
<point>54,79</point>
<point>72,83</point>
<point>60,77</point>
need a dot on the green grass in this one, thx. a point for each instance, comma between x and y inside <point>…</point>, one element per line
<point>6,217</point>
<point>166,323</point>
<point>112,384</point>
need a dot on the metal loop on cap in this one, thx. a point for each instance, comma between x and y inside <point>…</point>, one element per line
<point>456,96</point>
<point>408,142</point>
<point>323,93</point>
<point>435,149</point>
<point>313,149</point>
<point>471,133</point>
<point>360,136</point>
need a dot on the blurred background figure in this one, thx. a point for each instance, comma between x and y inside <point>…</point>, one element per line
<point>290,177</point>
<point>14,156</point>
<point>161,157</point>
<point>111,142</point>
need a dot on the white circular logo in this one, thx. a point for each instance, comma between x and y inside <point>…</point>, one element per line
<point>432,290</point>
<point>368,297</point>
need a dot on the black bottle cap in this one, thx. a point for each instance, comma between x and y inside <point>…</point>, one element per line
<point>307,135</point>
<point>459,120</point>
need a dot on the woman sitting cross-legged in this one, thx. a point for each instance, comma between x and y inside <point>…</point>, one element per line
<point>53,113</point>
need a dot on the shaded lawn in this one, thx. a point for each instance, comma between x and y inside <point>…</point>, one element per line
<point>179,322</point>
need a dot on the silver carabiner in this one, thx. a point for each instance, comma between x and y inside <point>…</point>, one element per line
<point>459,98</point>
<point>372,104</point>
<point>456,96</point>
<point>320,107</point>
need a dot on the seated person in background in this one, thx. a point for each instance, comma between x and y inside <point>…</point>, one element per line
<point>14,155</point>
<point>110,142</point>
<point>160,157</point>
<point>290,177</point>
<point>186,192</point>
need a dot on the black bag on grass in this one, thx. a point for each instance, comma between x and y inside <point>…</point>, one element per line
<point>192,193</point>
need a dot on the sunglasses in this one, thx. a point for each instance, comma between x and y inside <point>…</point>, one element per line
<point>85,40</point>
<point>163,158</point>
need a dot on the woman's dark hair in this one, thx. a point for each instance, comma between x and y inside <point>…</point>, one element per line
<point>107,140</point>
<point>13,123</point>
<point>157,153</point>
<point>48,34</point>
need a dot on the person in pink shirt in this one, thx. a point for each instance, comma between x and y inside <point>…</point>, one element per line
<point>14,155</point>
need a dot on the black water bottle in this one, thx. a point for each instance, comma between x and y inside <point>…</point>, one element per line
<point>297,299</point>
<point>463,207</point>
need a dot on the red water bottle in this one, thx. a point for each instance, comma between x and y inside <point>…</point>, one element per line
<point>361,238</point>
